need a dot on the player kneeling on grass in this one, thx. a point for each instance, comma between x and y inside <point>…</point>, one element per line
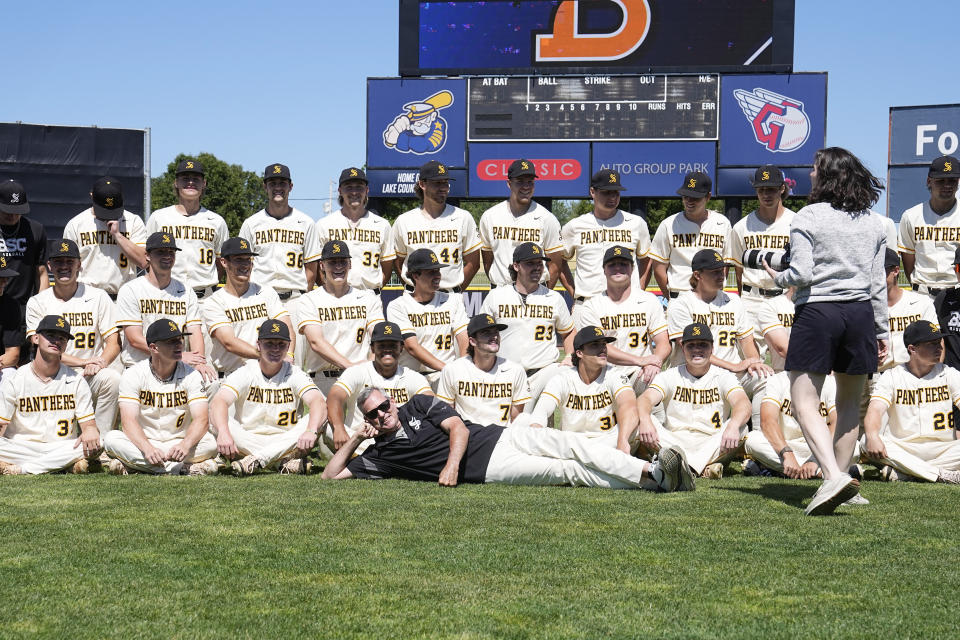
<point>918,398</point>
<point>41,404</point>
<point>426,440</point>
<point>163,412</point>
<point>268,395</point>
<point>592,396</point>
<point>483,387</point>
<point>705,408</point>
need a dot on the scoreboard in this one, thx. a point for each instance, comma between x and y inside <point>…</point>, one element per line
<point>651,107</point>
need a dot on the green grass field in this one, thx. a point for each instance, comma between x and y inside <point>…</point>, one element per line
<point>283,556</point>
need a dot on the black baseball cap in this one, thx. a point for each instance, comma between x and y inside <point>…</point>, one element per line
<point>13,197</point>
<point>767,176</point>
<point>434,170</point>
<point>335,249</point>
<point>107,195</point>
<point>606,180</point>
<point>161,240</point>
<point>5,270</point>
<point>276,170</point>
<point>706,259</point>
<point>921,331</point>
<point>386,332</point>
<point>696,184</point>
<point>528,251</point>
<point>189,166</point>
<point>56,324</point>
<point>63,248</point>
<point>891,258</point>
<point>237,247</point>
<point>944,167</point>
<point>163,329</point>
<point>618,252</point>
<point>483,321</point>
<point>521,167</point>
<point>353,173</point>
<point>590,334</point>
<point>273,330</point>
<point>696,331</point>
<point>423,259</point>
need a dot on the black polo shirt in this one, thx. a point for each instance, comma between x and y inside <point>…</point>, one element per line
<point>11,324</point>
<point>419,449</point>
<point>947,305</point>
<point>24,245</point>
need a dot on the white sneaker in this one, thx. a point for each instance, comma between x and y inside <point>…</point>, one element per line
<point>855,501</point>
<point>831,494</point>
<point>948,476</point>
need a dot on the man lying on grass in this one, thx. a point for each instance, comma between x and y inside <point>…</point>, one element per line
<point>426,439</point>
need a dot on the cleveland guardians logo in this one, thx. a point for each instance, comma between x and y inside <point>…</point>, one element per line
<point>779,123</point>
<point>421,129</point>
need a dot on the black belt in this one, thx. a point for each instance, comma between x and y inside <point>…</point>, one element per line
<point>113,296</point>
<point>766,293</point>
<point>409,287</point>
<point>932,290</point>
<point>286,294</point>
<point>530,372</point>
<point>329,373</point>
<point>376,291</point>
<point>580,299</point>
<point>674,294</point>
<point>221,374</point>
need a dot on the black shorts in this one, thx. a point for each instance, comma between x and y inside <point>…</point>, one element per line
<point>833,336</point>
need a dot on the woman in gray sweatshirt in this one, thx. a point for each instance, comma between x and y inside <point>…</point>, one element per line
<point>836,264</point>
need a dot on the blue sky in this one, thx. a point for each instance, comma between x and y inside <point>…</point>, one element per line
<point>256,83</point>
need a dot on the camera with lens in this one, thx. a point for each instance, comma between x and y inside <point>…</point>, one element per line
<point>778,260</point>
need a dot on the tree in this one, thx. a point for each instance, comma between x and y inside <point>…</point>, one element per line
<point>231,191</point>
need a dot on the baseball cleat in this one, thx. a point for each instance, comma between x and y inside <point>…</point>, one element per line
<point>81,466</point>
<point>831,494</point>
<point>948,476</point>
<point>295,466</point>
<point>245,466</point>
<point>205,468</point>
<point>889,474</point>
<point>117,468</point>
<point>713,471</point>
<point>10,469</point>
<point>855,501</point>
<point>688,481</point>
<point>668,464</point>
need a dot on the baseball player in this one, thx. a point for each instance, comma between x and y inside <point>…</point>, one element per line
<point>518,219</point>
<point>947,305</point>
<point>591,396</point>
<point>433,323</point>
<point>41,405</point>
<point>483,387</point>
<point>767,228</point>
<point>534,316</point>
<point>284,238</point>
<point>198,231</point>
<point>362,229</point>
<point>234,313</point>
<point>779,444</point>
<point>11,324</point>
<point>383,372</point>
<point>705,408</point>
<point>163,412</point>
<point>929,231</point>
<point>155,295</point>
<point>918,398</point>
<point>336,319</point>
<point>682,235</point>
<point>587,238</point>
<point>110,238</point>
<point>775,317</point>
<point>426,440</point>
<point>448,231</point>
<point>96,338</point>
<point>268,397</point>
<point>633,317</point>
<point>904,307</point>
<point>23,242</point>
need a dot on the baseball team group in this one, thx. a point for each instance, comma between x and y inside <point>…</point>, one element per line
<point>168,347</point>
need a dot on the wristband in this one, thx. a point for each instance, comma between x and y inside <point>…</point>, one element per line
<point>786,449</point>
<point>290,353</point>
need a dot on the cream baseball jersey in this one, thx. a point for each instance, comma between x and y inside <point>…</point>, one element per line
<point>777,392</point>
<point>587,237</point>
<point>90,313</point>
<point>919,409</point>
<point>268,406</point>
<point>533,323</point>
<point>243,315</point>
<point>284,245</point>
<point>345,321</point>
<point>103,264</point>
<point>695,404</point>
<point>484,397</point>
<point>164,404</point>
<point>633,322</point>
<point>724,315</point>
<point>199,237</point>
<point>401,386</point>
<point>452,235</point>
<point>370,244</point>
<point>585,407</point>
<point>501,232</point>
<point>140,303</point>
<point>911,307</point>
<point>753,233</point>
<point>933,240</point>
<point>775,313</point>
<point>435,324</point>
<point>678,239</point>
<point>41,411</point>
